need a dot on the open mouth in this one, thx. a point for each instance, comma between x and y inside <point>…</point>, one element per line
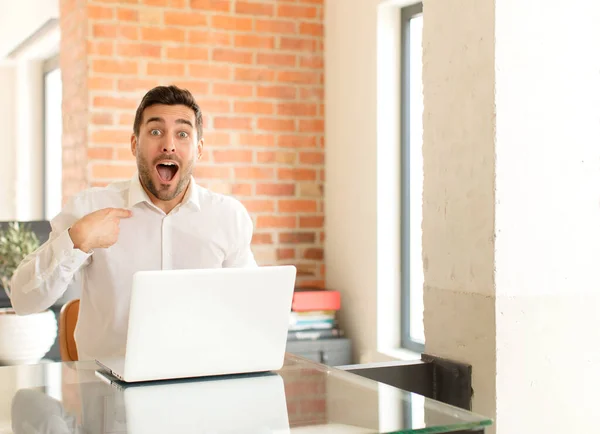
<point>167,170</point>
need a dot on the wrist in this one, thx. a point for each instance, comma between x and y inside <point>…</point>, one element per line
<point>77,239</point>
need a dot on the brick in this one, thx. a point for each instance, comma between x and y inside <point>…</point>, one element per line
<point>275,124</point>
<point>112,171</point>
<point>110,137</point>
<point>269,221</point>
<point>256,206</point>
<point>311,62</point>
<point>214,138</point>
<point>254,74</point>
<point>211,5</point>
<point>278,92</point>
<point>139,50</point>
<point>212,172</point>
<point>210,37</point>
<point>115,103</point>
<point>311,190</point>
<point>101,83</point>
<point>99,153</point>
<point>194,86</point>
<point>232,56</point>
<point>298,77</point>
<point>258,238</point>
<point>312,157</point>
<point>232,89</point>
<point>292,11</point>
<point>228,22</point>
<point>258,107</point>
<point>101,119</point>
<point>276,59</point>
<point>241,189</point>
<point>298,44</point>
<point>131,33</point>
<point>276,157</point>
<point>313,253</point>
<point>312,29</point>
<point>162,35</point>
<point>164,69</point>
<point>124,154</point>
<point>100,48</point>
<point>155,2</point>
<point>222,123</point>
<point>102,30</point>
<point>295,206</point>
<point>283,254</point>
<point>312,125</point>
<point>297,109</point>
<point>214,106</point>
<point>297,237</point>
<point>312,93</point>
<point>275,189</point>
<point>254,41</point>
<point>297,174</point>
<point>297,141</point>
<point>124,14</point>
<point>262,140</point>
<point>253,172</point>
<point>126,119</point>
<point>187,19</point>
<point>275,26</point>
<point>95,12</point>
<point>232,156</point>
<point>187,53</point>
<point>254,8</point>
<point>134,84</point>
<point>311,221</point>
<point>115,67</point>
<point>152,16</point>
<point>219,72</point>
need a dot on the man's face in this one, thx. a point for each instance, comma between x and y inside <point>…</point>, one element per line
<point>166,150</point>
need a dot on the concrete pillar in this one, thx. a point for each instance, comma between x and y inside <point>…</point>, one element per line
<point>511,214</point>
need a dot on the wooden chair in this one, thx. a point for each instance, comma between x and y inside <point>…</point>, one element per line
<point>69,314</point>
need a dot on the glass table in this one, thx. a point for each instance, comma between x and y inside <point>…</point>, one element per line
<point>302,398</point>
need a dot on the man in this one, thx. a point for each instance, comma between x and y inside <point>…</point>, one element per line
<point>160,219</point>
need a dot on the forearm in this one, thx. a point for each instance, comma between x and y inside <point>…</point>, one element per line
<point>43,276</point>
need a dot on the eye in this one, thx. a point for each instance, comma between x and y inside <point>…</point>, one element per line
<point>183,135</point>
<point>155,132</point>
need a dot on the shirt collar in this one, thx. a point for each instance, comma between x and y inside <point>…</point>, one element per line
<point>137,194</point>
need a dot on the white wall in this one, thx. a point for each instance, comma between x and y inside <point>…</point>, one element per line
<point>362,76</point>
<point>19,19</point>
<point>8,144</point>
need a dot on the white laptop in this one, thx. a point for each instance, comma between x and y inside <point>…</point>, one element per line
<point>195,323</point>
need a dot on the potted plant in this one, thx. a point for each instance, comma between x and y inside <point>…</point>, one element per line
<point>23,338</point>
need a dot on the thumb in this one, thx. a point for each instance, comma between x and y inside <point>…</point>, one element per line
<point>121,213</point>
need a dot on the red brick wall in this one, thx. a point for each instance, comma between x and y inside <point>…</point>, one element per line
<point>256,68</point>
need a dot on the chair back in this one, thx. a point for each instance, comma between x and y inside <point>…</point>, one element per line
<point>66,331</point>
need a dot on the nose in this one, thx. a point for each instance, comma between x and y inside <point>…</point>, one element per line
<point>169,145</point>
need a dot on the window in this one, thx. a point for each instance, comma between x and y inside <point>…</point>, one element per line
<point>52,178</point>
<point>412,330</point>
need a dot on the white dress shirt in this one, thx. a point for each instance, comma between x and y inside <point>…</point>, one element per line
<point>206,230</point>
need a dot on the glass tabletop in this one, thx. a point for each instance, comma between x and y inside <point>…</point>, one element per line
<point>302,398</point>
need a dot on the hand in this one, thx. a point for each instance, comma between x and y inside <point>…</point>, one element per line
<point>99,229</point>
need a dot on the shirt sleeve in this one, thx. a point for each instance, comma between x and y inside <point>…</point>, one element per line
<point>240,254</point>
<point>43,276</point>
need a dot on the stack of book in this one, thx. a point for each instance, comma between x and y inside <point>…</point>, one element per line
<point>314,314</point>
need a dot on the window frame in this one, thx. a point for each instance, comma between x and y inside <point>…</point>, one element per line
<point>406,341</point>
<point>49,65</point>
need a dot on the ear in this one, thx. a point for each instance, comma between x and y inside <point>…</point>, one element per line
<point>133,145</point>
<point>200,148</point>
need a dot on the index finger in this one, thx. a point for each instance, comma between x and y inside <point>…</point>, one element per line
<point>121,212</point>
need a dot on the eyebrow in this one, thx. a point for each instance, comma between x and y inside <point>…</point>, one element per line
<point>177,121</point>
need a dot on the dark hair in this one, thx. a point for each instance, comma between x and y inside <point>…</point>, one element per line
<point>168,95</point>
